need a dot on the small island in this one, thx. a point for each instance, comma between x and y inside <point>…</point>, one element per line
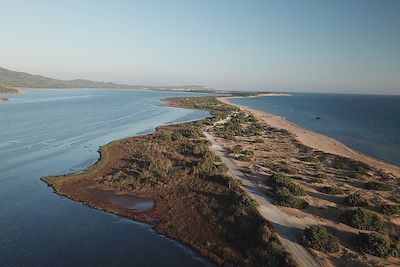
<point>243,190</point>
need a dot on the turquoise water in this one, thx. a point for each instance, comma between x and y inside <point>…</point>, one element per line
<point>367,123</point>
<point>50,132</point>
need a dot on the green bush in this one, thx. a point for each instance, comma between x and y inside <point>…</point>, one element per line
<point>237,149</point>
<point>288,200</point>
<point>312,159</point>
<point>244,158</point>
<point>248,153</point>
<point>390,209</point>
<point>317,180</point>
<point>321,175</point>
<point>331,190</point>
<point>362,219</point>
<point>378,186</point>
<point>317,237</point>
<point>258,140</point>
<point>355,200</point>
<point>279,181</point>
<point>376,244</point>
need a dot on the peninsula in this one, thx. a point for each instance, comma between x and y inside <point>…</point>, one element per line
<point>245,192</point>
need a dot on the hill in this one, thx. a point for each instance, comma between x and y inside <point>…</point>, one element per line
<point>9,78</point>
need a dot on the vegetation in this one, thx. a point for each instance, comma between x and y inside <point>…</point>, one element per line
<point>362,219</point>
<point>390,209</point>
<point>10,78</point>
<point>378,186</point>
<point>355,200</point>
<point>317,237</point>
<point>331,190</point>
<point>209,103</point>
<point>377,245</point>
<point>178,158</point>
<point>280,181</point>
<point>285,191</point>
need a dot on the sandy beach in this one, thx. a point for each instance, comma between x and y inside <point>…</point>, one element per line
<point>313,139</point>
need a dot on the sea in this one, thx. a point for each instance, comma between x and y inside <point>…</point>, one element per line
<point>58,131</point>
<point>369,124</point>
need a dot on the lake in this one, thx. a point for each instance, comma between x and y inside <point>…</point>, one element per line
<point>57,131</point>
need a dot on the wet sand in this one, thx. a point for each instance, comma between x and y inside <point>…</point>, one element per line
<point>313,139</point>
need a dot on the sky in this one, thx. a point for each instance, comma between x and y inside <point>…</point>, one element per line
<point>294,45</point>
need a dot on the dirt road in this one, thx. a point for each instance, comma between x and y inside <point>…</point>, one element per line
<point>288,227</point>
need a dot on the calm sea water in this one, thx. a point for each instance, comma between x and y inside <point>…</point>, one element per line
<point>367,123</point>
<point>50,132</point>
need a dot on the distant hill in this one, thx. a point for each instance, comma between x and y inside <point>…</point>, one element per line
<point>9,78</point>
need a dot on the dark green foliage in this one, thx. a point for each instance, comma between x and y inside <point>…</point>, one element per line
<point>351,165</point>
<point>317,237</point>
<point>311,159</point>
<point>378,186</point>
<point>244,158</point>
<point>362,219</point>
<point>279,181</point>
<point>377,245</point>
<point>237,149</point>
<point>356,175</point>
<point>331,190</point>
<point>286,191</point>
<point>209,103</point>
<point>390,209</point>
<point>258,140</point>
<point>321,175</point>
<point>317,180</point>
<point>355,200</point>
<point>284,167</point>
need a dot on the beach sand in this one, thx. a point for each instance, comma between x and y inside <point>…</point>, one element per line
<point>313,139</point>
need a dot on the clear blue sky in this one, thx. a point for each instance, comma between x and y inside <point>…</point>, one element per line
<point>338,46</point>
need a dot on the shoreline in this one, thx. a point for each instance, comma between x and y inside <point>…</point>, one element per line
<point>182,205</point>
<point>313,139</point>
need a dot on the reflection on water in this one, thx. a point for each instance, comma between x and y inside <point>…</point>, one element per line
<point>53,132</point>
<point>126,201</point>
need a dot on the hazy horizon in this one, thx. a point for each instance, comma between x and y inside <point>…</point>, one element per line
<point>305,46</point>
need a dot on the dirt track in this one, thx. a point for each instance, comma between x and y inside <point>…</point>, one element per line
<point>286,226</point>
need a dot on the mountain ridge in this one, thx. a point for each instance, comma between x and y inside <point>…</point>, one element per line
<point>9,78</point>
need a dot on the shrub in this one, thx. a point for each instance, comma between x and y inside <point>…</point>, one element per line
<point>248,153</point>
<point>321,175</point>
<point>362,219</point>
<point>390,209</point>
<point>356,175</point>
<point>378,186</point>
<point>237,149</point>
<point>312,159</point>
<point>331,190</point>
<point>376,244</point>
<point>288,200</point>
<point>258,140</point>
<point>244,158</point>
<point>317,180</point>
<point>279,181</point>
<point>317,237</point>
<point>356,200</point>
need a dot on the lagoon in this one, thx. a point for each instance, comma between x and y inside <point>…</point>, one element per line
<point>58,131</point>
